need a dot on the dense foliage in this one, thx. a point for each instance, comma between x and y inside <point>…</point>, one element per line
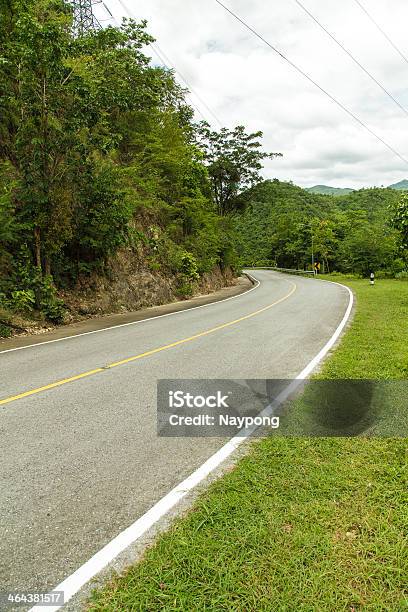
<point>400,222</point>
<point>98,151</point>
<point>356,233</point>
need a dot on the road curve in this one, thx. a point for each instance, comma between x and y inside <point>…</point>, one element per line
<point>81,460</point>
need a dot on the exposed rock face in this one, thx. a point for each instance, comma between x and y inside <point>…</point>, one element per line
<point>129,286</point>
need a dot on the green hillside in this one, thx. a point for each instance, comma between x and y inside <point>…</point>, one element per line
<point>325,190</point>
<point>339,191</point>
<point>351,233</point>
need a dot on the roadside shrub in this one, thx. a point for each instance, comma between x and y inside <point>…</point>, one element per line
<point>382,274</point>
<point>185,289</point>
<point>51,305</point>
<point>5,331</point>
<point>397,266</point>
<point>22,300</point>
<point>31,291</point>
<point>402,275</point>
<point>189,267</point>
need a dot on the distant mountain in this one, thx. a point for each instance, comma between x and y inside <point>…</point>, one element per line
<point>338,191</point>
<point>325,190</point>
<point>401,186</point>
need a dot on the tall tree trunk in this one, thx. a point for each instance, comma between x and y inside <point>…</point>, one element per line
<point>47,266</point>
<point>37,247</point>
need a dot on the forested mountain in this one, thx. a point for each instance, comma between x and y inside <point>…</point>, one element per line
<point>325,190</point>
<point>351,233</point>
<point>336,191</point>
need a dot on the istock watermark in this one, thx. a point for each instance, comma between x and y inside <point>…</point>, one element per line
<point>213,408</point>
<point>319,408</point>
<point>179,399</point>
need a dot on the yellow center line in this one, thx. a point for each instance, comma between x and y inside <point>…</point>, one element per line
<point>13,398</point>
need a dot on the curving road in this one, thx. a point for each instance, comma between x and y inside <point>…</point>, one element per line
<point>81,461</point>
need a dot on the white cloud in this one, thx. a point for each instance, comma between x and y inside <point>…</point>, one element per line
<point>244,82</point>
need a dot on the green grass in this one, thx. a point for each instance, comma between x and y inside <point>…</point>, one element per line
<point>375,353</point>
<point>377,345</point>
<point>316,524</point>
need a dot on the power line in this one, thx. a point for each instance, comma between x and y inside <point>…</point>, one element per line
<point>169,65</point>
<point>159,56</point>
<point>205,105</point>
<point>311,80</point>
<point>155,51</point>
<point>339,44</point>
<point>393,45</point>
<point>108,11</point>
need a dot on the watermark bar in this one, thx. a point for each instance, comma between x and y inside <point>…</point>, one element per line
<point>228,408</point>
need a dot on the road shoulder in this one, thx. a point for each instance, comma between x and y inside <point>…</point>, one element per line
<point>242,285</point>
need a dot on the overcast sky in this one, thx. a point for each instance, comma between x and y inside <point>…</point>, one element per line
<point>243,82</point>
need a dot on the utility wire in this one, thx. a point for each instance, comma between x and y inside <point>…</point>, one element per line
<point>108,11</point>
<point>339,44</point>
<point>393,45</point>
<point>311,80</point>
<point>170,66</point>
<point>157,53</point>
<point>205,105</point>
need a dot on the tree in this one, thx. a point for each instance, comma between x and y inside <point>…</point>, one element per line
<point>61,125</point>
<point>34,134</point>
<point>325,241</point>
<point>400,222</point>
<point>234,161</point>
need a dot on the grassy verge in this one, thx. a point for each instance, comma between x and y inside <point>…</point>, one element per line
<point>299,524</point>
<point>377,345</point>
<point>375,354</point>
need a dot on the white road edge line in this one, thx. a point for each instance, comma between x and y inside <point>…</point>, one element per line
<point>168,314</point>
<point>71,585</point>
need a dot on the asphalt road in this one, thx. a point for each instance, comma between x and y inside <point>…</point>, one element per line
<point>82,461</point>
